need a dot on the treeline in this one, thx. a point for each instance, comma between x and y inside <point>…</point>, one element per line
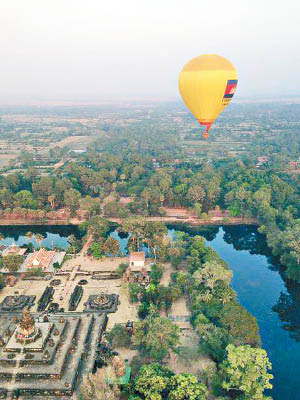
<point>98,180</point>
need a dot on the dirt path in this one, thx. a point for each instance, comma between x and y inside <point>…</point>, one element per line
<point>188,220</point>
<point>166,278</point>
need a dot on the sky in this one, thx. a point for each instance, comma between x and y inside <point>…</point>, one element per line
<point>95,50</point>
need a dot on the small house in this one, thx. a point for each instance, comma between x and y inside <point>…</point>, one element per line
<point>137,260</point>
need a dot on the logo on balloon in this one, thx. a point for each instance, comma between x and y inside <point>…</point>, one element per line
<point>229,91</point>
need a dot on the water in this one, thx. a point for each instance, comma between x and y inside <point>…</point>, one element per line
<point>257,278</point>
<point>54,236</point>
<point>260,284</point>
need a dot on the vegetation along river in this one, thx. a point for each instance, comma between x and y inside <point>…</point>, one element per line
<point>258,280</point>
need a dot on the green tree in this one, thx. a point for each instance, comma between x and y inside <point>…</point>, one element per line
<point>245,369</point>
<point>96,250</point>
<point>156,335</point>
<point>91,205</point>
<point>241,324</point>
<point>152,381</point>
<point>111,246</point>
<point>71,200</point>
<point>186,387</point>
<point>198,209</point>
<point>119,336</point>
<point>211,273</point>
<point>157,271</point>
<point>25,199</point>
<point>12,262</point>
<point>134,291</point>
<point>97,227</point>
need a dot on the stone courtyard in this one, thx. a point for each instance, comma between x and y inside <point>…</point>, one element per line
<point>46,353</point>
<point>51,364</point>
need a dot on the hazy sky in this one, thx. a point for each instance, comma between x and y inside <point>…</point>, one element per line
<point>95,49</point>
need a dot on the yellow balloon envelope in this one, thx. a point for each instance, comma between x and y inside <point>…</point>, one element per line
<point>207,84</point>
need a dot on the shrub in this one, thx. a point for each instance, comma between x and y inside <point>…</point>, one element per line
<point>134,291</point>
<point>122,268</point>
<point>119,336</point>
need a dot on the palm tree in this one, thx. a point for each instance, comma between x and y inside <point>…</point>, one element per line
<point>226,297</point>
<point>39,238</point>
<point>29,235</point>
<point>206,297</point>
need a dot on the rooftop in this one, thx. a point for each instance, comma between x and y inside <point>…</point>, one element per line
<point>43,259</point>
<point>137,256</point>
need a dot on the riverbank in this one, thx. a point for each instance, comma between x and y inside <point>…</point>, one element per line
<point>170,220</point>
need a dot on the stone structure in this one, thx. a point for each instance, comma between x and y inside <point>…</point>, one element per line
<point>16,303</point>
<point>51,363</point>
<point>27,331</point>
<point>142,277</point>
<point>102,302</point>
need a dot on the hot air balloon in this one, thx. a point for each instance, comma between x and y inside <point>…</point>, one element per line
<point>207,84</point>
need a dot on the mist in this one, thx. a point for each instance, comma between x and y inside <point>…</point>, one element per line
<point>96,50</point>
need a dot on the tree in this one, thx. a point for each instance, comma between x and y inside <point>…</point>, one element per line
<point>91,205</point>
<point>12,262</point>
<point>96,226</point>
<point>135,290</point>
<point>74,244</point>
<point>245,369</point>
<point>43,188</point>
<point>195,194</point>
<point>241,324</point>
<point>25,199</point>
<point>51,200</point>
<point>39,238</point>
<point>111,246</point>
<point>156,335</point>
<point>211,273</point>
<point>186,387</point>
<point>96,250</point>
<point>156,382</point>
<point>157,271</point>
<point>152,381</point>
<point>95,387</point>
<point>6,198</point>
<point>122,267</point>
<point>71,200</point>
<point>213,340</point>
<point>291,241</point>
<point>119,336</point>
<point>198,209</point>
<point>135,228</point>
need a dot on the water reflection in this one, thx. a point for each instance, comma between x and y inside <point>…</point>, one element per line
<point>288,309</point>
<point>54,236</point>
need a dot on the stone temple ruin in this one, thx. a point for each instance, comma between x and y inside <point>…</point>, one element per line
<point>102,302</point>
<point>16,303</point>
<point>45,355</point>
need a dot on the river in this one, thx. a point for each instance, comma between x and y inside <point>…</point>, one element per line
<point>257,278</point>
<point>275,303</point>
